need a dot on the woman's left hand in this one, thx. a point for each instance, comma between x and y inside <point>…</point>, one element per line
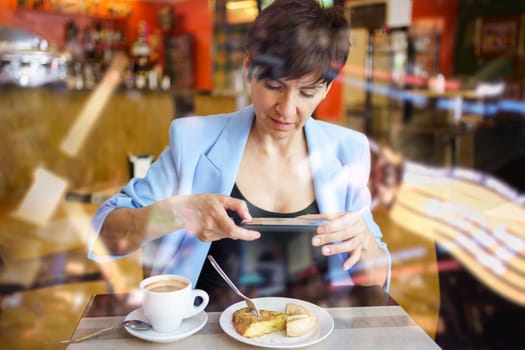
<point>342,233</point>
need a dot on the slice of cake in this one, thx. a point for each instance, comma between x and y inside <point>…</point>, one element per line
<point>295,321</point>
<point>250,326</point>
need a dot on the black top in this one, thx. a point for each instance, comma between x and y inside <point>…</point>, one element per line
<point>267,266</point>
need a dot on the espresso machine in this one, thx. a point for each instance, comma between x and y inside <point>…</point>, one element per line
<point>27,60</point>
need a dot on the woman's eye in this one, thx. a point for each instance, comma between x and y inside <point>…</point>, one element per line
<point>272,85</point>
<point>307,93</point>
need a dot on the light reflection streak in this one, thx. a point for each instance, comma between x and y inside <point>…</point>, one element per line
<point>47,191</point>
<point>91,111</point>
<point>478,219</point>
<point>112,271</point>
<point>485,109</point>
<point>42,198</point>
<point>514,243</point>
<point>414,270</point>
<point>419,269</point>
<point>341,277</point>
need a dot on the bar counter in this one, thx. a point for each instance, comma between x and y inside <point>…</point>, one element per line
<point>35,122</point>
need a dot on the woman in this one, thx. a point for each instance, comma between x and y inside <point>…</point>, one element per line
<point>269,159</point>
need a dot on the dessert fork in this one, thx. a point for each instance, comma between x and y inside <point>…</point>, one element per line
<point>249,302</point>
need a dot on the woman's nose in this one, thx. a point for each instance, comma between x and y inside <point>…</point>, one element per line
<point>286,105</point>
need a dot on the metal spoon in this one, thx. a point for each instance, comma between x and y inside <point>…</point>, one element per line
<point>249,302</point>
<point>137,325</point>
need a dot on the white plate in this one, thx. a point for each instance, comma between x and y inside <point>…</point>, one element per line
<point>187,328</point>
<point>323,328</point>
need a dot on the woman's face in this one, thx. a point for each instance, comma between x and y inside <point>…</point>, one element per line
<point>282,106</point>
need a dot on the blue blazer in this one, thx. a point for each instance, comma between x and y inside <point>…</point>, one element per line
<point>203,156</point>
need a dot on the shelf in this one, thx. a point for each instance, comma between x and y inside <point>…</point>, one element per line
<point>28,11</point>
<point>108,31</point>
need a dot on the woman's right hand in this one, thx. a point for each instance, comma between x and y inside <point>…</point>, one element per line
<point>127,229</point>
<point>206,216</point>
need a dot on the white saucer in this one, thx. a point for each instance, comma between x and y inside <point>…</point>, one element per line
<point>187,328</point>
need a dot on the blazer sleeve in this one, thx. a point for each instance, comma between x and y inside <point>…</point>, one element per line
<point>160,182</point>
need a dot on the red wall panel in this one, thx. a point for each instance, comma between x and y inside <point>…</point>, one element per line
<point>439,10</point>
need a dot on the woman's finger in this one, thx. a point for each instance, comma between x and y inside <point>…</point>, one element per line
<point>342,247</point>
<point>352,260</point>
<point>223,225</point>
<point>237,205</point>
<point>340,222</point>
<point>327,238</point>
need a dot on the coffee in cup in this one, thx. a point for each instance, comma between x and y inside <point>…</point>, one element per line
<point>166,285</point>
<point>169,299</point>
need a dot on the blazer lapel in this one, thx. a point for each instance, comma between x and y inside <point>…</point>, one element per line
<point>329,175</point>
<point>218,168</point>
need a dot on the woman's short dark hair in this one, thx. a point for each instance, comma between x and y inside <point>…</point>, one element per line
<point>293,38</point>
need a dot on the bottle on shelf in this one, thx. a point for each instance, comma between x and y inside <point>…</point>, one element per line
<point>140,49</point>
<point>146,70</point>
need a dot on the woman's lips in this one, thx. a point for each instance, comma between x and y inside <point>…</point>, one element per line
<point>280,125</point>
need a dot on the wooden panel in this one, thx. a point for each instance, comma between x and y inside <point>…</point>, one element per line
<point>206,104</point>
<point>35,121</point>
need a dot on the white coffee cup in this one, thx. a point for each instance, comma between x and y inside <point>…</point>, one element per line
<point>168,299</point>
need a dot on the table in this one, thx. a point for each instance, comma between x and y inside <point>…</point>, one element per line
<point>373,322</point>
<point>455,96</point>
<point>458,115</point>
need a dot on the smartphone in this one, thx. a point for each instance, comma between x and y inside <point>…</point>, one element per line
<point>282,224</point>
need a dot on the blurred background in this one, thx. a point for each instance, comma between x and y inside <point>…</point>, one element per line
<point>88,89</point>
